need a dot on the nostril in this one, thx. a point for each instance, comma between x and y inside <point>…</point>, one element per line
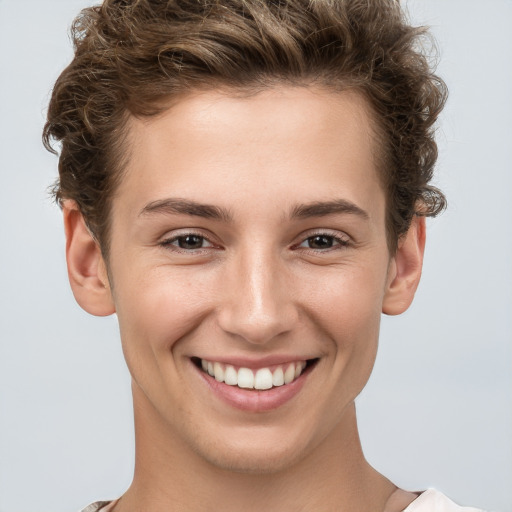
<point>257,327</point>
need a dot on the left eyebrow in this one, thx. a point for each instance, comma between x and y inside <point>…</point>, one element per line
<point>323,208</point>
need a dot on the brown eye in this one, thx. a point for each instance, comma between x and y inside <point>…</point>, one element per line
<point>190,242</point>
<point>320,242</point>
<point>323,242</point>
<point>187,242</point>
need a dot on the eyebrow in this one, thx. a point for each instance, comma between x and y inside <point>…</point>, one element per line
<point>324,208</point>
<point>186,207</point>
<point>173,206</point>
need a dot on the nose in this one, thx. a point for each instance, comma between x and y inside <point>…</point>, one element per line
<point>258,303</point>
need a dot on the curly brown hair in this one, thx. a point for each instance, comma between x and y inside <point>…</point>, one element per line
<point>132,57</point>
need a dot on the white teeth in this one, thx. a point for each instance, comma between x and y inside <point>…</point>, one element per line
<point>278,377</point>
<point>263,379</point>
<point>260,379</point>
<point>230,376</point>
<point>289,374</point>
<point>245,378</point>
<point>218,372</point>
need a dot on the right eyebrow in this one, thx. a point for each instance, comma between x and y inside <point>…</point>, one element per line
<point>173,206</point>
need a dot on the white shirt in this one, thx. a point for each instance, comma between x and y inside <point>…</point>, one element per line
<point>435,501</point>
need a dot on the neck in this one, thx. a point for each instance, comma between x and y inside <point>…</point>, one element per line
<point>169,476</point>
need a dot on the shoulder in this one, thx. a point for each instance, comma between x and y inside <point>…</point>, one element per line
<point>435,501</point>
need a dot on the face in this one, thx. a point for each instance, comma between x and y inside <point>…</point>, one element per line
<point>249,251</point>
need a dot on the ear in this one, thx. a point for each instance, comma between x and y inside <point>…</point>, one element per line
<point>405,269</point>
<point>87,271</point>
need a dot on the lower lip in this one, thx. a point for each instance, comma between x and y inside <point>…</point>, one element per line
<point>254,400</point>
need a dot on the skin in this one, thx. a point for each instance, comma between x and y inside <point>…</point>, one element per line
<point>255,285</point>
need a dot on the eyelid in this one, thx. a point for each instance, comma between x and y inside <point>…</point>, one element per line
<point>167,241</point>
<point>342,239</point>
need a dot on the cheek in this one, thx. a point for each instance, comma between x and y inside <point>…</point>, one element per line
<point>158,307</point>
<point>347,300</point>
<point>346,305</point>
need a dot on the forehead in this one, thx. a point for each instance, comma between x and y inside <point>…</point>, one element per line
<point>221,147</point>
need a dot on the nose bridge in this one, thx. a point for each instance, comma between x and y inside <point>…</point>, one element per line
<point>257,305</point>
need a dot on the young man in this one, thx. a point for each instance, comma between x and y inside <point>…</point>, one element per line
<point>245,184</point>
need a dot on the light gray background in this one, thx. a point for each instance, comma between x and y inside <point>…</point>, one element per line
<point>438,409</point>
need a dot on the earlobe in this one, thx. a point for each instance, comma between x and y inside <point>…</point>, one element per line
<point>86,268</point>
<point>405,269</point>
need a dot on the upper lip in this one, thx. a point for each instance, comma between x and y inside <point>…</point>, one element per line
<point>260,362</point>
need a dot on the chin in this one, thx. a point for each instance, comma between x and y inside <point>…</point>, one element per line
<point>253,464</point>
<point>250,457</point>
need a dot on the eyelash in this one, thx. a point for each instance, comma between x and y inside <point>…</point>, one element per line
<point>338,241</point>
<point>169,243</point>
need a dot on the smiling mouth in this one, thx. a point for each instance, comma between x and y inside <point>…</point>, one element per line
<point>258,379</point>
